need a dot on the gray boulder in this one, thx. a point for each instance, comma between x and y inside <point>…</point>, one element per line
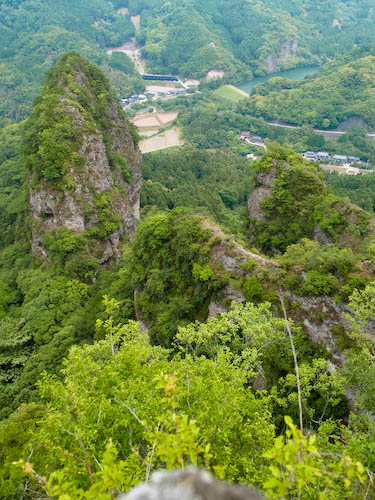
<point>191,484</point>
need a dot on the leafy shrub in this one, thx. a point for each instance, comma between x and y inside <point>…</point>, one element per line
<point>252,289</point>
<point>317,283</point>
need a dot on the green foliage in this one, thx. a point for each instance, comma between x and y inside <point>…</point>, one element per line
<point>300,204</point>
<point>36,34</point>
<point>170,272</point>
<point>192,38</point>
<point>303,469</point>
<point>58,142</point>
<point>105,483</point>
<point>216,182</point>
<point>75,113</point>
<point>164,405</point>
<point>119,162</point>
<point>322,392</point>
<point>172,415</point>
<point>51,315</point>
<point>13,220</point>
<point>311,268</point>
<point>309,255</point>
<point>252,289</point>
<point>61,243</point>
<point>322,102</point>
<point>15,433</point>
<point>317,283</point>
<point>53,137</point>
<point>248,332</point>
<point>359,188</point>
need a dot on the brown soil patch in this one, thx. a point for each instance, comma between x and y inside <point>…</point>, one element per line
<point>136,20</point>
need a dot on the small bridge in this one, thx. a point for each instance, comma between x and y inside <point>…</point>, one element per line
<point>164,78</point>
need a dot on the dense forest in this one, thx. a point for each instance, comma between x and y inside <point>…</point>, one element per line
<point>184,178</point>
<point>208,121</point>
<point>191,37</point>
<point>35,34</point>
<point>359,189</point>
<point>188,306</point>
<point>323,102</point>
<point>105,361</point>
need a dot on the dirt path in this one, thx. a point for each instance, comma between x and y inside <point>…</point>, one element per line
<point>136,20</point>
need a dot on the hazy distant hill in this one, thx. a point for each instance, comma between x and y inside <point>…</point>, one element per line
<point>188,37</point>
<point>340,93</point>
<point>34,34</point>
<point>267,35</point>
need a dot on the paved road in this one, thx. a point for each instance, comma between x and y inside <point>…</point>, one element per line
<point>317,130</point>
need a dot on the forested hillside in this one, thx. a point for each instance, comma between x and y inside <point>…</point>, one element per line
<point>180,304</point>
<point>185,178</point>
<point>190,38</point>
<point>34,34</point>
<point>359,189</point>
<point>190,306</point>
<point>342,92</point>
<point>265,35</point>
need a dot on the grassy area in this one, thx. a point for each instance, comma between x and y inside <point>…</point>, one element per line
<point>230,92</point>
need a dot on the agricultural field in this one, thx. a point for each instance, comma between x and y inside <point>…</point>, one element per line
<point>231,92</point>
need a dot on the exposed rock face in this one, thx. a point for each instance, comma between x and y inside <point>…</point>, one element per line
<point>321,236</point>
<point>322,317</point>
<point>255,200</point>
<point>319,315</point>
<point>98,188</point>
<point>192,484</point>
<point>353,121</point>
<point>229,257</point>
<point>288,49</point>
<point>264,190</point>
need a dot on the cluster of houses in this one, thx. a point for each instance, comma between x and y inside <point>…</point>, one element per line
<point>128,101</point>
<point>175,92</point>
<point>252,139</point>
<point>326,157</point>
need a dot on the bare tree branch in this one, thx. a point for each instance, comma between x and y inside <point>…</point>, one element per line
<point>295,360</point>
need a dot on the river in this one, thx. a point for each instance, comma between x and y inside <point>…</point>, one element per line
<point>291,74</point>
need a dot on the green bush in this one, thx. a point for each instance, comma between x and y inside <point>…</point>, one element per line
<point>317,283</point>
<point>252,289</point>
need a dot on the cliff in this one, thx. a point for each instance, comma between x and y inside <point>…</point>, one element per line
<point>83,163</point>
<point>287,56</point>
<point>290,201</point>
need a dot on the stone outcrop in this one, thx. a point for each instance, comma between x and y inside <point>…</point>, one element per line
<point>322,318</point>
<point>191,484</point>
<point>230,258</point>
<point>262,191</point>
<point>288,49</point>
<point>95,190</point>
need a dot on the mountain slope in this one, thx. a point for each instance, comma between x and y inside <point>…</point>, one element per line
<point>325,101</point>
<point>83,161</point>
<point>70,187</point>
<point>35,34</point>
<point>187,37</point>
<point>266,35</point>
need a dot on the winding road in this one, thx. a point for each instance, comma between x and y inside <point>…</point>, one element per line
<point>326,133</point>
